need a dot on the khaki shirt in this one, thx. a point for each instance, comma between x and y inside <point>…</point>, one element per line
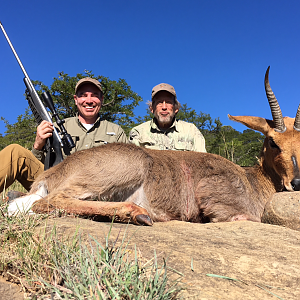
<point>181,135</point>
<point>102,132</point>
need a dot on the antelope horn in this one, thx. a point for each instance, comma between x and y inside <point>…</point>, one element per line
<point>297,120</point>
<point>275,109</point>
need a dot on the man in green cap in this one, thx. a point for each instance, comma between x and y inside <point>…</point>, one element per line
<point>87,131</point>
<point>164,131</point>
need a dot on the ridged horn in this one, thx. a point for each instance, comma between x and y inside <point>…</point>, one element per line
<point>297,120</point>
<point>275,109</point>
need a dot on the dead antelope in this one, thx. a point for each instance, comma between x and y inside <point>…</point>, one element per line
<point>152,185</point>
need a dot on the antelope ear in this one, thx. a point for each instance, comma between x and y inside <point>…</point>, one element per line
<point>255,123</point>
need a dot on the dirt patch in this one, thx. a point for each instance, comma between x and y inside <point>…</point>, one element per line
<point>10,291</point>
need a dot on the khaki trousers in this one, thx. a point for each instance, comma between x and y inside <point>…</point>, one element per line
<point>18,163</point>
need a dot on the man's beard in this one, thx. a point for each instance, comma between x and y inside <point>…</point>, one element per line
<point>164,121</point>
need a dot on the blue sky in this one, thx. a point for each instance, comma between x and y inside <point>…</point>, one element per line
<point>215,53</point>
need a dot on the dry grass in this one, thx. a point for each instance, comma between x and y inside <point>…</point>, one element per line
<point>49,266</point>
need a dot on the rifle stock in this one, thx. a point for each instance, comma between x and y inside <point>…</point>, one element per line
<point>54,144</point>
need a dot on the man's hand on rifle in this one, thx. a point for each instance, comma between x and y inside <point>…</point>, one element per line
<point>44,130</point>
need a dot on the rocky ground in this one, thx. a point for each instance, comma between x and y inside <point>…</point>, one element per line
<point>265,258</point>
<point>10,291</point>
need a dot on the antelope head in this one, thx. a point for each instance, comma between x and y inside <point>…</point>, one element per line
<point>281,149</point>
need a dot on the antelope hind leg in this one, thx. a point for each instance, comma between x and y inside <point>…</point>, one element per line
<point>227,201</point>
<point>122,211</point>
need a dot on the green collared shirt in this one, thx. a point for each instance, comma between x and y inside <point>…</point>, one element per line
<point>181,135</point>
<point>102,132</point>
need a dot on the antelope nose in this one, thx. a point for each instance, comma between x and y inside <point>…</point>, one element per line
<point>296,184</point>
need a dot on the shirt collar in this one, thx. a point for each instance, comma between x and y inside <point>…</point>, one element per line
<point>80,124</point>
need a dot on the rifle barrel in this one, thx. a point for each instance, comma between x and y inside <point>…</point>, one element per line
<point>29,83</point>
<point>13,50</point>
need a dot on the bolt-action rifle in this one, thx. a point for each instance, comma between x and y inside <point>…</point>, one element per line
<point>56,142</point>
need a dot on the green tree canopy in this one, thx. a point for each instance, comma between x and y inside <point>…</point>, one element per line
<point>22,132</point>
<point>241,148</point>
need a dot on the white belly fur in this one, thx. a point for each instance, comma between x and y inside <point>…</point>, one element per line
<point>23,204</point>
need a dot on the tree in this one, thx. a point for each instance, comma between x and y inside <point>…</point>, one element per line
<point>241,148</point>
<point>22,132</point>
<point>252,143</point>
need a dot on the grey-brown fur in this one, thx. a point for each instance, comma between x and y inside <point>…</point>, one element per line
<point>171,185</point>
<point>188,186</point>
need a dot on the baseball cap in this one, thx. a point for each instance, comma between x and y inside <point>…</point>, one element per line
<point>163,87</point>
<point>88,80</point>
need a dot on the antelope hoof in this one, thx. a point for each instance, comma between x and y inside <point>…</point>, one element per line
<point>143,220</point>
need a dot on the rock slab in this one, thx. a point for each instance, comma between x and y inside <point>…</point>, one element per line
<point>264,258</point>
<point>283,209</point>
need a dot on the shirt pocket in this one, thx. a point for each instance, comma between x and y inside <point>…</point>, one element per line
<point>109,137</point>
<point>186,145</point>
<point>99,142</point>
<point>148,142</point>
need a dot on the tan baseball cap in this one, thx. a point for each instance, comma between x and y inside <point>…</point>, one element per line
<point>164,87</point>
<point>168,88</point>
<point>88,80</point>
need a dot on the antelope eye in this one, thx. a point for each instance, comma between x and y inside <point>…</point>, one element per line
<point>273,144</point>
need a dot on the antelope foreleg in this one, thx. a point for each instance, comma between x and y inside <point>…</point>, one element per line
<point>122,211</point>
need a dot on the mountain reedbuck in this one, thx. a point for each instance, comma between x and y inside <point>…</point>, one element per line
<point>145,185</point>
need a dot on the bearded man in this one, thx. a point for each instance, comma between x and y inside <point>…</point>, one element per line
<point>164,131</point>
